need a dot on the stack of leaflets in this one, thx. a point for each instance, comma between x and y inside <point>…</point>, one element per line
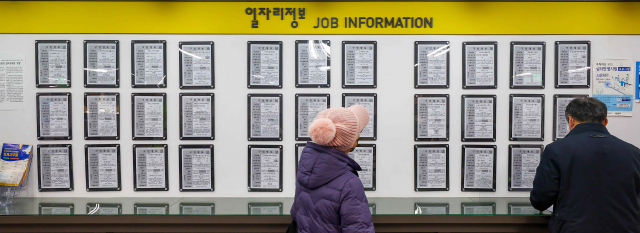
<point>14,164</point>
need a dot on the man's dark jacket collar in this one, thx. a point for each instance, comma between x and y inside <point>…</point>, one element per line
<point>590,127</point>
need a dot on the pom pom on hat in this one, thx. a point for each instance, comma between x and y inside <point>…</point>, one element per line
<point>322,131</point>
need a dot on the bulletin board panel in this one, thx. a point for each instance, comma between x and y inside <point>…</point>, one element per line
<point>395,91</point>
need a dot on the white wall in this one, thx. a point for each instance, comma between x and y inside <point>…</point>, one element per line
<point>395,108</point>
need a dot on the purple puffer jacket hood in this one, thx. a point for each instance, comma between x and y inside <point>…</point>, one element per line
<point>329,195</point>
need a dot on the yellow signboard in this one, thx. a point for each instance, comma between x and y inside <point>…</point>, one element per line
<point>320,17</point>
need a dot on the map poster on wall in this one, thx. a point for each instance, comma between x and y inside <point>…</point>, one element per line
<point>613,84</point>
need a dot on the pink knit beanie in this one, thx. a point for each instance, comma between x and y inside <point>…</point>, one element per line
<point>339,128</point>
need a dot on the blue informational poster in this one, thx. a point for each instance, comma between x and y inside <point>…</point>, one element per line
<point>614,85</point>
<point>638,80</point>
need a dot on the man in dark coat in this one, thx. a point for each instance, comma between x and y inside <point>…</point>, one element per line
<point>591,178</point>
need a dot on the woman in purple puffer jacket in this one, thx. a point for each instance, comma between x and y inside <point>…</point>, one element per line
<point>329,195</point>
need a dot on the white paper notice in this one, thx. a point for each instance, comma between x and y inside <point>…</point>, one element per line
<point>432,168</point>
<point>12,81</point>
<point>359,64</point>
<point>151,210</point>
<point>265,117</point>
<point>102,63</point>
<point>479,117</point>
<point>313,65</point>
<point>527,117</point>
<point>527,65</point>
<point>149,63</point>
<point>53,65</point>
<point>364,157</point>
<point>196,116</point>
<point>265,210</point>
<point>196,168</point>
<point>265,168</point>
<point>432,117</point>
<point>265,64</point>
<point>477,210</point>
<point>197,210</point>
<point>55,211</point>
<point>102,116</point>
<point>432,64</point>
<point>150,168</point>
<point>149,116</point>
<point>480,65</point>
<point>308,109</point>
<point>103,167</point>
<point>562,126</point>
<point>523,166</point>
<point>196,65</point>
<point>55,168</point>
<point>367,102</point>
<point>478,168</point>
<point>573,64</point>
<point>54,116</point>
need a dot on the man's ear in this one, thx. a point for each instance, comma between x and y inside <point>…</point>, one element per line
<point>606,121</point>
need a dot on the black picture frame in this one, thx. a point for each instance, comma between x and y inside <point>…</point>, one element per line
<point>56,205</point>
<point>279,189</point>
<point>298,155</point>
<point>372,208</point>
<point>133,63</point>
<point>375,64</point>
<point>69,115</point>
<point>92,206</point>
<point>254,86</point>
<point>541,96</point>
<point>213,73</point>
<point>66,42</point>
<point>415,166</point>
<point>416,206</point>
<point>86,115</point>
<point>133,116</point>
<point>206,205</point>
<point>327,96</point>
<point>416,81</point>
<point>264,204</point>
<point>478,204</point>
<point>86,167</point>
<point>213,116</point>
<point>136,205</point>
<point>519,204</point>
<point>555,112</point>
<point>300,85</point>
<point>512,85</point>
<point>373,164</point>
<point>166,167</point>
<point>415,117</point>
<point>495,65</point>
<point>70,149</point>
<point>464,115</point>
<point>495,152</point>
<point>86,68</point>
<point>511,147</point>
<point>249,137</point>
<point>557,45</point>
<point>211,150</point>
<point>375,112</point>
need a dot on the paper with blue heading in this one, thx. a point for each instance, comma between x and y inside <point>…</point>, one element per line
<point>614,84</point>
